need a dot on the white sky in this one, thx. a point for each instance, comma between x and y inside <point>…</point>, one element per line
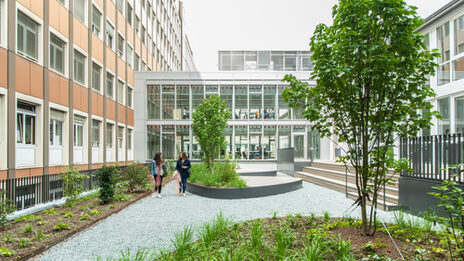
<point>214,25</point>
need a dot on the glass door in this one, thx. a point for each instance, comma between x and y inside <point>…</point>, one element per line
<point>298,144</point>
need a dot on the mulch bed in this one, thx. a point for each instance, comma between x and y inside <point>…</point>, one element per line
<point>84,215</point>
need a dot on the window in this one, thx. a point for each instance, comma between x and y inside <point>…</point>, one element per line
<point>79,67</point>
<point>109,135</point>
<point>109,85</point>
<point>56,127</point>
<point>28,35</point>
<point>109,35</point>
<point>130,56</point>
<point>136,62</point>
<point>120,92</point>
<point>120,46</point>
<point>79,122</point>
<point>120,5</point>
<point>62,2</point>
<point>129,97</point>
<point>79,10</point>
<point>96,22</point>
<point>120,137</point>
<point>459,35</point>
<point>143,35</point>
<point>129,14</point>
<point>129,139</point>
<point>137,24</point>
<point>444,109</point>
<point>443,44</point>
<point>96,77</point>
<point>95,134</point>
<point>57,51</point>
<point>459,114</point>
<point>26,124</point>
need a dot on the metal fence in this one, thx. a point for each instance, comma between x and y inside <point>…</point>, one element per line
<point>433,157</point>
<point>27,192</point>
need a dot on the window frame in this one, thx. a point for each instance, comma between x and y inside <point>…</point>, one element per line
<point>130,98</point>
<point>121,99</point>
<point>27,29</point>
<point>53,49</point>
<point>109,93</point>
<point>33,114</point>
<point>84,67</point>
<point>94,81</point>
<point>82,19</point>
<point>122,41</point>
<point>109,37</point>
<point>96,143</point>
<point>109,135</point>
<point>97,30</point>
<point>76,127</point>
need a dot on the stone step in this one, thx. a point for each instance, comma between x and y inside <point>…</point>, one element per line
<point>391,196</point>
<point>388,206</point>
<point>341,176</point>
<point>336,167</point>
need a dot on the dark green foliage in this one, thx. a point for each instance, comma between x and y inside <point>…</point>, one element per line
<point>107,183</point>
<point>135,176</point>
<point>6,207</point>
<point>370,69</point>
<point>224,175</point>
<point>72,184</point>
<point>209,122</point>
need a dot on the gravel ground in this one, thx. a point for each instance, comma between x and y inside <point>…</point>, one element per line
<point>152,222</point>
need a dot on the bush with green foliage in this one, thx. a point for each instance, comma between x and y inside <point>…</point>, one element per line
<point>6,252</point>
<point>6,207</point>
<point>135,176</point>
<point>61,226</point>
<point>224,175</point>
<point>107,183</point>
<point>73,182</point>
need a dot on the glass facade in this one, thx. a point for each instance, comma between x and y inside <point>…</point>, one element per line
<point>260,122</point>
<point>265,61</point>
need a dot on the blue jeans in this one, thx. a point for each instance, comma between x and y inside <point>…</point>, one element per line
<point>183,183</point>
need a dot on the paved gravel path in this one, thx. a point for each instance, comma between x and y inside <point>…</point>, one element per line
<point>153,222</point>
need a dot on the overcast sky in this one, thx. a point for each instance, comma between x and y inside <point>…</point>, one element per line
<point>214,25</point>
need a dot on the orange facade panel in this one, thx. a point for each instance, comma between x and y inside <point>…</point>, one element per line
<point>110,59</point>
<point>82,167</point>
<point>36,6</point>
<point>110,109</point>
<point>97,48</point>
<point>97,104</point>
<point>3,174</point>
<point>3,68</point>
<point>20,173</point>
<point>99,3</point>
<point>144,53</point>
<point>137,44</point>
<point>121,69</point>
<point>130,76</point>
<point>130,117</point>
<point>58,88</point>
<point>80,97</point>
<point>121,113</point>
<point>59,17</point>
<point>81,36</point>
<point>57,169</point>
<point>110,11</point>
<point>130,35</point>
<point>97,166</point>
<point>150,60</point>
<point>121,24</point>
<point>29,77</point>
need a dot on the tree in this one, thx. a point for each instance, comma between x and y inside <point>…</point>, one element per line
<point>209,121</point>
<point>370,69</point>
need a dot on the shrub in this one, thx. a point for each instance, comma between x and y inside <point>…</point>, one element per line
<point>106,177</point>
<point>50,212</point>
<point>85,217</point>
<point>135,176</point>
<point>95,212</point>
<point>6,207</point>
<point>6,252</point>
<point>224,175</point>
<point>112,206</point>
<point>28,228</point>
<point>73,181</point>
<point>61,226</point>
<point>68,215</point>
<point>24,242</point>
<point>40,235</point>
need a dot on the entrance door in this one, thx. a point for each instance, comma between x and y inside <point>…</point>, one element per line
<point>298,144</point>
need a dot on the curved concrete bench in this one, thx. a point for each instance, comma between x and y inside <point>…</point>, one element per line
<point>257,173</point>
<point>258,186</point>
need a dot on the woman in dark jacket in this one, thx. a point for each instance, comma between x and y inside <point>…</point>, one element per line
<point>183,166</point>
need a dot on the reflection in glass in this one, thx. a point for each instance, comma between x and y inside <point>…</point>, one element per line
<point>153,102</point>
<point>211,89</point>
<point>227,95</point>
<point>443,42</point>
<point>182,139</point>
<point>153,140</point>
<point>182,107</point>
<point>241,102</point>
<point>459,111</point>
<point>459,35</point>
<point>256,102</point>
<point>256,148</point>
<point>197,96</point>
<point>269,102</point>
<point>228,132</point>
<point>196,148</point>
<point>444,109</point>
<point>443,74</point>
<point>168,102</point>
<point>284,137</point>
<point>284,110</point>
<point>250,61</point>
<point>168,142</point>
<point>458,69</point>
<point>241,142</point>
<point>314,144</point>
<point>269,142</point>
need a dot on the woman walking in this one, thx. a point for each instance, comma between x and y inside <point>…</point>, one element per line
<point>157,166</point>
<point>183,167</point>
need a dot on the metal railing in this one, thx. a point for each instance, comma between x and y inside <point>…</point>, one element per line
<point>26,192</point>
<point>433,157</point>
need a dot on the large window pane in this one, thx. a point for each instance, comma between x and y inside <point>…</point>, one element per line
<point>269,142</point>
<point>109,135</point>
<point>284,110</point>
<point>444,109</point>
<point>256,148</point>
<point>458,69</point>
<point>241,102</point>
<point>314,144</point>
<point>241,142</point>
<point>443,74</point>
<point>56,54</point>
<point>79,9</point>
<point>236,61</point>
<point>269,102</point>
<point>264,60</point>
<point>459,111</point>
<point>27,36</point>
<point>153,102</point>
<point>277,59</point>
<point>250,61</point>
<point>228,131</point>
<point>459,35</point>
<point>256,102</point>
<point>284,137</point>
<point>109,85</point>
<point>96,21</point>
<point>443,42</point>
<point>227,95</point>
<point>79,67</point>
<point>182,110</point>
<point>96,77</point>
<point>168,102</point>
<point>182,139</point>
<point>168,142</point>
<point>153,140</point>
<point>95,133</point>
<point>197,95</point>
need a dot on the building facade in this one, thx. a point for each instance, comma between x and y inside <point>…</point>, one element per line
<point>444,30</point>
<point>260,121</point>
<point>67,78</point>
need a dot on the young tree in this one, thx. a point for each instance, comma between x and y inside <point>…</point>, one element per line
<point>209,121</point>
<point>370,69</point>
